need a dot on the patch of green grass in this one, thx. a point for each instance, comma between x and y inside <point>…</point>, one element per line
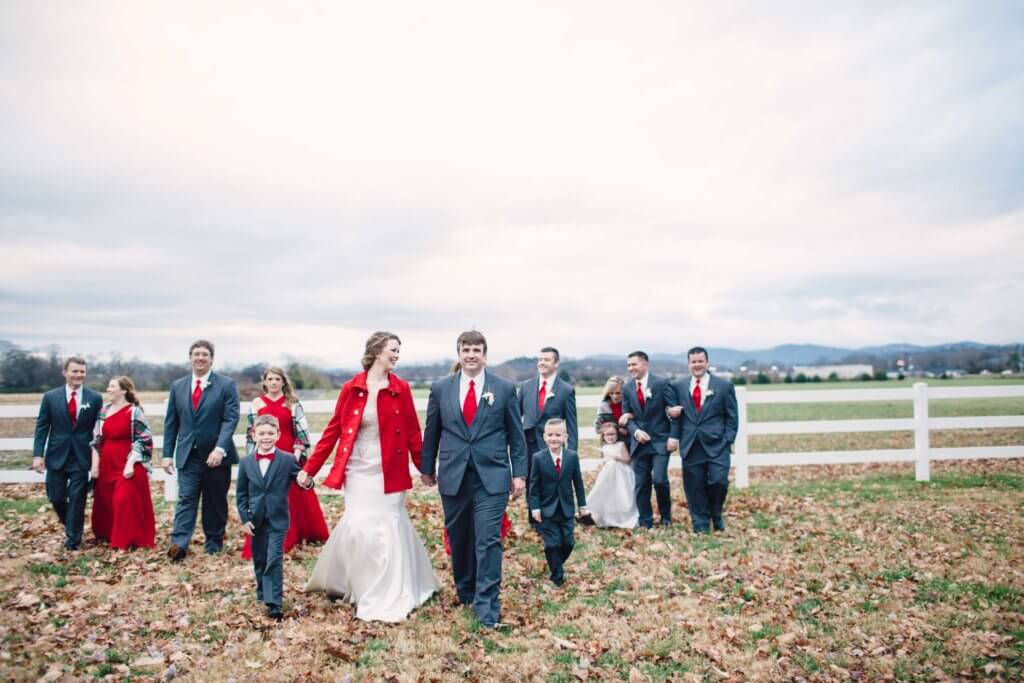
<point>566,631</point>
<point>552,606</point>
<point>376,645</point>
<point>944,590</point>
<point>762,521</point>
<point>896,574</point>
<point>565,658</point>
<point>47,569</point>
<point>10,507</point>
<point>769,631</point>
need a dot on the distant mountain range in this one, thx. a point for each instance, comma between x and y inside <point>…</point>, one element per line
<point>813,354</point>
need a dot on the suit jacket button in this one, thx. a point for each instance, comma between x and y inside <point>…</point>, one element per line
<point>349,430</point>
<point>355,412</point>
<point>398,431</point>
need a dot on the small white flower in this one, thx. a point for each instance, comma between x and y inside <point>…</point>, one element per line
<point>489,397</point>
<point>711,392</point>
<point>647,392</point>
<point>549,397</point>
<point>82,408</point>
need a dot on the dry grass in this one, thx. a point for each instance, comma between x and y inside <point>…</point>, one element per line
<point>826,573</point>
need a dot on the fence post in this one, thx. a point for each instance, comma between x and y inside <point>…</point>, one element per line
<point>742,459</point>
<point>922,465</point>
<point>171,486</point>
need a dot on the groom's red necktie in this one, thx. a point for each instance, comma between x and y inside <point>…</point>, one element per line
<point>558,465</point>
<point>640,395</point>
<point>197,393</point>
<point>73,408</point>
<point>469,405</point>
<point>696,397</point>
<point>541,395</point>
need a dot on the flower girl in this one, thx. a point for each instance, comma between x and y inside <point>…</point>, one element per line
<point>613,500</point>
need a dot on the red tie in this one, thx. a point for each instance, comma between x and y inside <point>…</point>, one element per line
<point>265,456</point>
<point>541,395</point>
<point>73,408</point>
<point>558,465</point>
<point>640,395</point>
<point>197,393</point>
<point>696,397</point>
<point>469,405</point>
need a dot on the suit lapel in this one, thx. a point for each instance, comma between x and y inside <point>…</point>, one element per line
<point>532,389</point>
<point>688,400</point>
<point>481,408</point>
<point>454,405</point>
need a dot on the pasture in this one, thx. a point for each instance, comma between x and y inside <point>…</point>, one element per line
<point>843,572</point>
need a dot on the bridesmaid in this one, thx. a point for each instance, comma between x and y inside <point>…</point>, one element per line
<point>279,400</point>
<point>122,509</point>
<point>610,408</point>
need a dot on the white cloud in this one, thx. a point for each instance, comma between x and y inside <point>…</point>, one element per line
<point>577,174</point>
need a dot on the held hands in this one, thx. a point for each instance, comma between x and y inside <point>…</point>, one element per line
<point>168,465</point>
<point>428,480</point>
<point>249,528</point>
<point>674,411</point>
<point>671,445</point>
<point>624,420</point>
<point>38,465</point>
<point>518,487</point>
<point>641,436</point>
<point>304,480</point>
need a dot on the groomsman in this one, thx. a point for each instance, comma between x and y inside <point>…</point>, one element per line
<point>64,427</point>
<point>199,429</point>
<point>542,398</point>
<point>704,422</point>
<point>643,408</point>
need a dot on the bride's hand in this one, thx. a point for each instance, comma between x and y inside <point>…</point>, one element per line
<point>302,479</point>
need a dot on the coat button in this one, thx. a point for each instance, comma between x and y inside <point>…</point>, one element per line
<point>349,430</point>
<point>355,412</point>
<point>398,431</point>
<point>344,449</point>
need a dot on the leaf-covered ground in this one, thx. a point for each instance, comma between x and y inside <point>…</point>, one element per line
<point>840,573</point>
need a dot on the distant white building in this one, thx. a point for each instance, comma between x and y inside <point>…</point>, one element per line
<point>851,371</point>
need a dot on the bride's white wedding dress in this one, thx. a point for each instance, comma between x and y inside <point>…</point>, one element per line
<point>374,558</point>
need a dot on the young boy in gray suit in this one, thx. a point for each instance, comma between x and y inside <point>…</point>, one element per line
<point>555,472</point>
<point>262,495</point>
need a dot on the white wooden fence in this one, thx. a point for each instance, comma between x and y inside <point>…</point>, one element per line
<point>921,454</point>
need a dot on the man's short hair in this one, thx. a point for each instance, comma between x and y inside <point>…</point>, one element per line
<point>471,338</point>
<point>695,350</point>
<point>553,422</point>
<point>551,349</point>
<point>78,360</point>
<point>201,344</point>
<point>266,420</point>
<point>639,354</point>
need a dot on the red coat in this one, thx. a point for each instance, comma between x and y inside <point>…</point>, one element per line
<point>400,435</point>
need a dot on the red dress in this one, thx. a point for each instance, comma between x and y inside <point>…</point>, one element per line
<point>307,521</point>
<point>122,509</point>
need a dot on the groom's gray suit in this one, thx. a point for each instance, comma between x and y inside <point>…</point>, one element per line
<point>475,466</point>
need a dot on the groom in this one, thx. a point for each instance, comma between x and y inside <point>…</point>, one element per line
<point>473,421</point>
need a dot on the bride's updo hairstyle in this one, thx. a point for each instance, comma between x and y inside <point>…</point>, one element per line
<point>374,345</point>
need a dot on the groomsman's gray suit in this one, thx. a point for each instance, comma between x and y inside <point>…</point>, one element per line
<point>263,500</point>
<point>705,438</point>
<point>649,460</point>
<point>189,436</point>
<point>474,468</point>
<point>68,456</point>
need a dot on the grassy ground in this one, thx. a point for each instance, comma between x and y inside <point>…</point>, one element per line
<point>836,573</point>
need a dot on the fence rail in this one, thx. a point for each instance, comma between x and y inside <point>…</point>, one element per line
<point>921,424</point>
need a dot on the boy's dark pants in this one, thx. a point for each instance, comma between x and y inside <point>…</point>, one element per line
<point>557,533</point>
<point>268,563</point>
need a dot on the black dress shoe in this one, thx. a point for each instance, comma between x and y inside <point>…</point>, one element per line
<point>68,545</point>
<point>664,522</point>
<point>274,612</point>
<point>176,553</point>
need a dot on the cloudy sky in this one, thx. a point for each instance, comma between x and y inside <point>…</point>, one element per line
<point>285,178</point>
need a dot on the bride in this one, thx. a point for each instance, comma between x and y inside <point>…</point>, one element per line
<point>374,557</point>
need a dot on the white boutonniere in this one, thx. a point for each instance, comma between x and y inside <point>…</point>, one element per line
<point>709,394</point>
<point>84,407</point>
<point>549,396</point>
<point>489,397</point>
<point>647,393</point>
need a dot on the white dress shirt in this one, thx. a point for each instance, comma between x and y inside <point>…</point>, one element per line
<point>68,391</point>
<point>705,380</point>
<point>478,386</point>
<point>549,391</point>
<point>204,382</point>
<point>264,463</point>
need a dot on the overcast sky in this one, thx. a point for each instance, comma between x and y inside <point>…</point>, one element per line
<point>600,176</point>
